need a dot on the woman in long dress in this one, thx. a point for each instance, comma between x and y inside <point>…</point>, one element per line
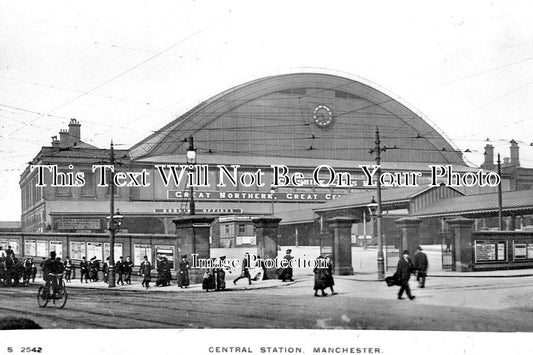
<point>329,275</point>
<point>320,278</point>
<point>221,275</point>
<point>209,281</point>
<point>183,272</point>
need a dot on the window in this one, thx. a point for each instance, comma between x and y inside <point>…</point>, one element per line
<point>226,229</point>
<point>242,228</point>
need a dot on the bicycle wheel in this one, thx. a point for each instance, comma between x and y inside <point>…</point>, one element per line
<point>40,300</point>
<point>62,301</point>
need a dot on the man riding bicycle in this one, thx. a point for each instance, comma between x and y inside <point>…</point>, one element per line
<point>51,268</point>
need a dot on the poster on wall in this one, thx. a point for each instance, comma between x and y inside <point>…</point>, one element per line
<point>42,248</point>
<point>94,249</point>
<point>530,251</point>
<point>166,251</point>
<point>117,248</point>
<point>57,246</point>
<point>4,243</point>
<point>502,255</point>
<point>140,250</point>
<point>520,251</point>
<point>77,250</point>
<point>485,251</point>
<point>30,248</point>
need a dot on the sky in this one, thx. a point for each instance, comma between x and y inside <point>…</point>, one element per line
<point>127,68</point>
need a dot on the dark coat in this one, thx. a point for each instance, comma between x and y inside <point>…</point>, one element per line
<point>209,282</point>
<point>321,278</point>
<point>405,269</point>
<point>183,273</point>
<point>420,262</point>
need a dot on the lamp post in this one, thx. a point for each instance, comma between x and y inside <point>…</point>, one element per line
<point>114,225</point>
<point>373,209</point>
<point>191,161</point>
<point>381,260</point>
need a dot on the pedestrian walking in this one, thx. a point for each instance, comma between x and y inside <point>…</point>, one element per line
<point>421,264</point>
<point>27,271</point>
<point>94,267</point>
<point>404,270</point>
<point>321,282</point>
<point>105,270</point>
<point>286,273</point>
<point>119,269</point>
<point>245,272</point>
<point>128,269</point>
<point>68,268</point>
<point>221,274</point>
<point>144,271</point>
<point>183,272</point>
<point>84,269</point>
<point>330,282</point>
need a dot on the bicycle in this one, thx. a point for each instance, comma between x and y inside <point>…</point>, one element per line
<point>61,295</point>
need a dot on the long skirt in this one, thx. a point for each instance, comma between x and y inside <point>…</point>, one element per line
<point>183,278</point>
<point>208,283</point>
<point>320,280</point>
<point>221,280</point>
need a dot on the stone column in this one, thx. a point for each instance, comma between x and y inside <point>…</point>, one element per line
<point>192,234</point>
<point>266,230</point>
<point>342,244</point>
<point>462,233</point>
<point>410,237</point>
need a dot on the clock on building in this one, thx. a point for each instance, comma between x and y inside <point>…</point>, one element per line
<point>322,116</point>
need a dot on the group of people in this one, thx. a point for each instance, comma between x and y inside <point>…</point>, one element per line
<point>324,277</point>
<point>407,267</point>
<point>12,269</point>
<point>89,270</point>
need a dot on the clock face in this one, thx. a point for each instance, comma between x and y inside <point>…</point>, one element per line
<point>322,116</point>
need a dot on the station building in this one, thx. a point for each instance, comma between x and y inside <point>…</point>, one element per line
<point>299,121</point>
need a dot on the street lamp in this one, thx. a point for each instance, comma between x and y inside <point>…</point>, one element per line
<point>375,212</point>
<point>113,225</point>
<point>378,149</point>
<point>191,161</point>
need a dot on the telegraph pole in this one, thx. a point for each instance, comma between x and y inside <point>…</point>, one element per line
<point>191,162</point>
<point>112,229</point>
<point>500,203</point>
<point>381,260</point>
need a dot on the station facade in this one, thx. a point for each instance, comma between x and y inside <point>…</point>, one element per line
<point>312,124</point>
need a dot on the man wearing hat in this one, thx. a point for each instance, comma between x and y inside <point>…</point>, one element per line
<point>421,265</point>
<point>404,270</point>
<point>50,268</point>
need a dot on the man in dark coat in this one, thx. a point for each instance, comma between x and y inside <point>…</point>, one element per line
<point>404,271</point>
<point>119,269</point>
<point>84,269</point>
<point>128,269</point>
<point>144,271</point>
<point>421,265</point>
<point>183,272</point>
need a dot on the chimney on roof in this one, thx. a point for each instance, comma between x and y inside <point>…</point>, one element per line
<point>64,138</point>
<point>515,158</point>
<point>55,142</point>
<point>74,131</point>
<point>488,164</point>
<point>506,161</point>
